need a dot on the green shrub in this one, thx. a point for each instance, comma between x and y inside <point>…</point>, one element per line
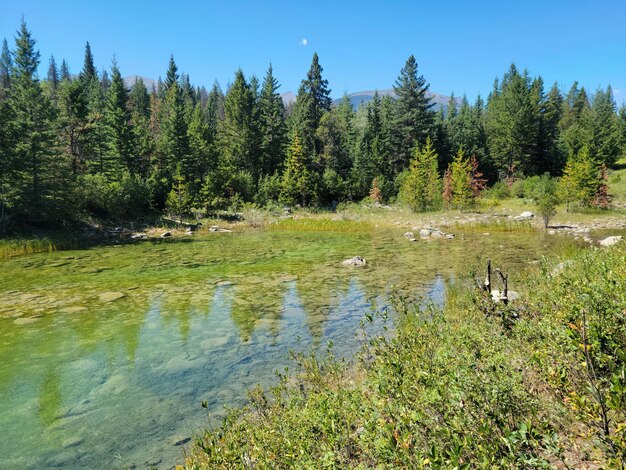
<point>498,191</point>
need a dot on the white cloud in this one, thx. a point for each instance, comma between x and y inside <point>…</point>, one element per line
<point>304,41</point>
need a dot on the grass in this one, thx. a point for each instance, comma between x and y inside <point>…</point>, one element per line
<point>20,246</point>
<point>476,384</point>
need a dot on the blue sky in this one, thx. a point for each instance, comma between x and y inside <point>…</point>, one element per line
<point>459,46</point>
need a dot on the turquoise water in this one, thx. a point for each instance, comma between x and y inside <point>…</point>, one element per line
<point>90,382</point>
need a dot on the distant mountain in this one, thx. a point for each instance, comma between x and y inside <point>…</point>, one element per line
<point>130,81</point>
<point>356,98</point>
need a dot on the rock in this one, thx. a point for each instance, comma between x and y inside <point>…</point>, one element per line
<point>496,295</point>
<point>431,232</point>
<point>217,228</point>
<point>223,283</point>
<point>412,239</point>
<point>610,241</point>
<point>166,234</point>
<point>355,262</point>
<point>138,236</point>
<point>551,232</point>
<point>409,235</point>
<point>111,296</point>
<point>527,215</point>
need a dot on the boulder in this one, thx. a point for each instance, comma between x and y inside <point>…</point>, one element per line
<point>166,234</point>
<point>409,235</point>
<point>526,215</point>
<point>610,241</point>
<point>355,262</point>
<point>138,236</point>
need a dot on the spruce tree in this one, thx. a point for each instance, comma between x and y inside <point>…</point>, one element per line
<point>53,74</point>
<point>120,138</point>
<point>554,155</point>
<point>65,71</point>
<point>6,66</point>
<point>73,121</point>
<point>512,127</point>
<point>272,128</point>
<point>172,75</point>
<point>296,181</point>
<point>38,173</point>
<point>606,139</point>
<point>89,72</point>
<point>140,110</point>
<point>172,144</point>
<point>581,179</point>
<point>201,158</point>
<point>238,129</point>
<point>459,182</point>
<point>421,189</point>
<point>312,102</point>
<point>414,117</point>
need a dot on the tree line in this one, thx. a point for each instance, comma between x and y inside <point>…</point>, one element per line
<point>85,145</point>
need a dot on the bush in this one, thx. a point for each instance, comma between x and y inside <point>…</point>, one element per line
<point>498,191</point>
<point>269,189</point>
<point>128,197</point>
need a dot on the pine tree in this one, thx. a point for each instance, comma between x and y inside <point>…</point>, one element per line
<point>414,117</point>
<point>602,198</point>
<point>120,138</point>
<point>421,189</point>
<point>296,183</point>
<point>37,172</point>
<point>272,128</point>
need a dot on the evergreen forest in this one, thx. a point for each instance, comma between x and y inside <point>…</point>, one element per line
<point>84,145</point>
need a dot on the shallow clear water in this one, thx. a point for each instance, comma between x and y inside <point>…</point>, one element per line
<point>91,383</point>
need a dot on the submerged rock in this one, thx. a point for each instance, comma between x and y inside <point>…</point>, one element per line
<point>111,296</point>
<point>25,320</point>
<point>74,309</point>
<point>355,262</point>
<point>432,232</point>
<point>610,241</point>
